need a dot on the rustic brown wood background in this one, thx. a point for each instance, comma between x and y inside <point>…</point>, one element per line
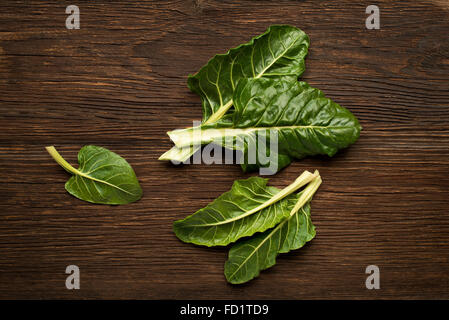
<point>120,82</point>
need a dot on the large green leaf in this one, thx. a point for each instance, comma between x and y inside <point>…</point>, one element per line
<point>102,177</point>
<point>280,51</point>
<point>296,118</point>
<point>249,207</point>
<point>250,256</point>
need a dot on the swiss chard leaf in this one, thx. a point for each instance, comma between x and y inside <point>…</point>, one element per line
<point>296,118</point>
<point>280,51</point>
<point>249,207</point>
<point>250,256</point>
<point>102,177</point>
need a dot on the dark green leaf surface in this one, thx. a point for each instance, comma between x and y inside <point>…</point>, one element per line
<point>102,177</point>
<point>249,207</point>
<point>219,223</point>
<point>250,256</point>
<point>280,51</point>
<point>303,121</point>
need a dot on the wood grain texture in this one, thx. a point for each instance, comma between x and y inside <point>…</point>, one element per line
<point>120,82</point>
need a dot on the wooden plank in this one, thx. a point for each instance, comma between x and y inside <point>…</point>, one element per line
<point>120,82</point>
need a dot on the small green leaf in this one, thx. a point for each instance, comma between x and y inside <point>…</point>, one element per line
<point>102,177</point>
<point>249,207</point>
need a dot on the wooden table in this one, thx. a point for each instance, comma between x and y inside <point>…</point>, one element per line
<point>120,82</point>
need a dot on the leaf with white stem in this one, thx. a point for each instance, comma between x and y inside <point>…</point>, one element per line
<point>250,256</point>
<point>303,121</point>
<point>102,176</point>
<point>249,207</point>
